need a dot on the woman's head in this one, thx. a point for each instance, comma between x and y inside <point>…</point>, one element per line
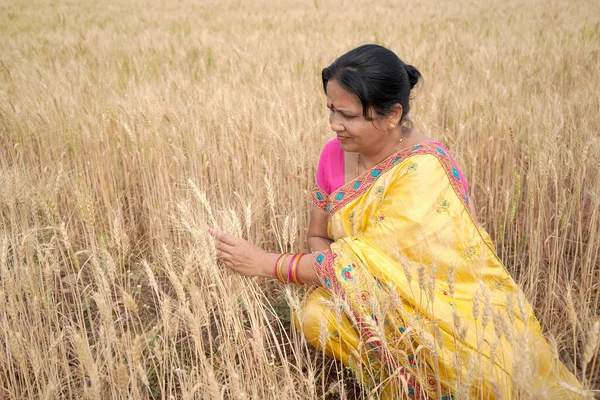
<point>377,77</point>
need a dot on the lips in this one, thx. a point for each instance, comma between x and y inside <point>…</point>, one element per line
<point>342,137</point>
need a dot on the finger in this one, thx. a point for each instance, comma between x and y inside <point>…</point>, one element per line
<point>224,247</point>
<point>228,263</point>
<point>222,254</point>
<point>223,237</point>
<point>227,259</point>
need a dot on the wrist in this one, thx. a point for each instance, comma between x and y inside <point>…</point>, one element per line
<point>268,265</point>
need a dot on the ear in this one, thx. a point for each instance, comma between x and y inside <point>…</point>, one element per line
<point>395,114</point>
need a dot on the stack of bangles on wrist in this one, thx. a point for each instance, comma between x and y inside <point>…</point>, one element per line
<point>292,274</point>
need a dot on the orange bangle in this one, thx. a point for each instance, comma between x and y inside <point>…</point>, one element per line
<point>295,270</point>
<point>278,267</point>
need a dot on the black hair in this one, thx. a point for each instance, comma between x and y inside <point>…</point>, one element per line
<point>376,76</point>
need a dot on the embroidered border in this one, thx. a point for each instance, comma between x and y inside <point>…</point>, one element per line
<point>358,186</point>
<point>319,198</point>
<point>323,264</point>
<point>450,167</point>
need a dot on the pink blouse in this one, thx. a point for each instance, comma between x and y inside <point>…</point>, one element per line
<point>330,171</point>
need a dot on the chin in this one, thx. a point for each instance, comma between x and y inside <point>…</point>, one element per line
<point>348,147</point>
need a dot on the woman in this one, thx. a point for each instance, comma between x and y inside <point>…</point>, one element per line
<point>409,291</point>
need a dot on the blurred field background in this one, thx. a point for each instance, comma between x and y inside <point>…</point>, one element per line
<point>128,127</point>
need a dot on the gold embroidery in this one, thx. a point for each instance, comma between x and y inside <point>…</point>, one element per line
<point>411,168</point>
<point>379,192</point>
<point>469,252</point>
<point>443,207</point>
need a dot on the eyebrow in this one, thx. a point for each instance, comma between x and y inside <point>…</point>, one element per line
<point>331,107</point>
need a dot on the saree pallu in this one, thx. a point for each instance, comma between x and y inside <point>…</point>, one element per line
<point>413,296</point>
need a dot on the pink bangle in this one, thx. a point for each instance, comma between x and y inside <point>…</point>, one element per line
<point>290,276</point>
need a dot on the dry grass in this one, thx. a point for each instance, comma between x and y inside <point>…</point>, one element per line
<point>127,127</point>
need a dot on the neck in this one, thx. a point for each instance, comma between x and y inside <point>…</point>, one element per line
<point>370,159</point>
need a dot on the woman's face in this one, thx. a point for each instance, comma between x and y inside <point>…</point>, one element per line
<point>355,133</point>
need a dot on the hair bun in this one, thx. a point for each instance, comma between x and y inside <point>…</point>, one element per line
<point>413,75</point>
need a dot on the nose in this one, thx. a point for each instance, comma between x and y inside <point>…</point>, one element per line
<point>335,123</point>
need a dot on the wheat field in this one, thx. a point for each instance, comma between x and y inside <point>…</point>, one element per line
<point>129,127</point>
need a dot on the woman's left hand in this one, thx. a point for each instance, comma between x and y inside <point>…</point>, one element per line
<point>240,255</point>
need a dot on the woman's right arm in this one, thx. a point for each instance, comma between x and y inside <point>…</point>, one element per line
<point>317,237</point>
<point>329,161</point>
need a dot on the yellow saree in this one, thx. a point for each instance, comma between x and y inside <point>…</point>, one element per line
<point>414,296</point>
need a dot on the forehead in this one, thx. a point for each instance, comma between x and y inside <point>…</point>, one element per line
<point>340,98</point>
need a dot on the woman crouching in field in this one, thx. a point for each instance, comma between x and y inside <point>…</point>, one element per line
<point>407,289</point>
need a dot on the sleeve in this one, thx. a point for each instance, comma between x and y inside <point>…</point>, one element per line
<point>321,174</point>
<point>322,188</point>
<point>319,196</point>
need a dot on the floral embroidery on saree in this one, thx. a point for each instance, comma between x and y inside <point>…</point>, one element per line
<point>379,193</point>
<point>443,207</point>
<point>411,168</point>
<point>379,219</point>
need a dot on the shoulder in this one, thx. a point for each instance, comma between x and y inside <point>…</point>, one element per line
<point>423,160</point>
<point>330,172</point>
<point>332,148</point>
<point>432,163</point>
<point>435,149</point>
<point>445,159</point>
<point>332,156</point>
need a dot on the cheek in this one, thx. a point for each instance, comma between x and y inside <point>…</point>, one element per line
<point>359,130</point>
